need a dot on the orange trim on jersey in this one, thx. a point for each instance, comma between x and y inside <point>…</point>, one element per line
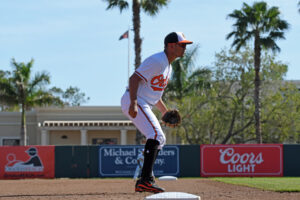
<point>149,121</point>
<point>140,75</point>
<point>157,88</point>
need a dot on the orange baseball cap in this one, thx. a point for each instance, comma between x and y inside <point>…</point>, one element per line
<point>176,37</point>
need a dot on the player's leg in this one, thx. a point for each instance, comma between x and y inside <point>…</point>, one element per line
<point>147,182</point>
<point>149,126</point>
<point>151,149</point>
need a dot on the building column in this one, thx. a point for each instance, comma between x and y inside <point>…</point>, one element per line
<point>83,134</point>
<point>123,137</point>
<point>44,137</point>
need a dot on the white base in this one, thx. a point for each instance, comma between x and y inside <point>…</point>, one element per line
<point>167,178</point>
<point>173,196</point>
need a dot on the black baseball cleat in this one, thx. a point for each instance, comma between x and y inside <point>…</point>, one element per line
<point>147,186</point>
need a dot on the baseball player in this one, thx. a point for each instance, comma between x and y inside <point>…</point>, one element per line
<point>146,87</point>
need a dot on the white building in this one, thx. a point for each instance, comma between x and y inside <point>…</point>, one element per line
<point>82,125</point>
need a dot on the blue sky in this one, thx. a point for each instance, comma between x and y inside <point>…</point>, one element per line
<point>76,41</point>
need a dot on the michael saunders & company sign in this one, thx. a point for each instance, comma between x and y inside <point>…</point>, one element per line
<point>121,161</point>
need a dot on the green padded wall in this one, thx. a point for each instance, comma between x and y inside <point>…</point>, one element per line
<point>76,161</point>
<point>189,158</point>
<point>291,160</point>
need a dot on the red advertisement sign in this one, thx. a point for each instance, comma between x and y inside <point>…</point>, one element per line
<point>26,162</point>
<point>242,160</point>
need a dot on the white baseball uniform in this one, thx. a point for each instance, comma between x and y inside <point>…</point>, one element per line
<point>155,72</point>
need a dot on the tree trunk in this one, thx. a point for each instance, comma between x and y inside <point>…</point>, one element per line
<point>24,140</point>
<point>257,52</point>
<point>137,47</point>
<point>136,26</point>
<point>229,133</point>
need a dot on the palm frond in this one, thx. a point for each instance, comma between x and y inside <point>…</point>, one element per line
<point>230,35</point>
<point>4,74</point>
<point>282,25</point>
<point>269,43</point>
<point>8,94</point>
<point>272,13</point>
<point>152,7</point>
<point>236,14</point>
<point>8,100</point>
<point>39,80</point>
<point>188,61</point>
<point>238,43</point>
<point>42,98</point>
<point>22,73</point>
<point>121,4</point>
<point>276,35</point>
<point>200,73</point>
<point>198,80</point>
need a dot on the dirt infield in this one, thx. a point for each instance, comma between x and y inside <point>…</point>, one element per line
<point>113,189</point>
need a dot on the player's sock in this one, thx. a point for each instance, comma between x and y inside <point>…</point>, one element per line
<point>150,154</point>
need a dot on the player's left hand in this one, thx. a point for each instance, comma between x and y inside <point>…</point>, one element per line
<point>172,118</point>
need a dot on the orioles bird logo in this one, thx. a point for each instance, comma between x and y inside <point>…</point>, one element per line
<point>158,83</point>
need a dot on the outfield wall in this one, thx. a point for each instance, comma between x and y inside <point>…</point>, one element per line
<point>174,160</point>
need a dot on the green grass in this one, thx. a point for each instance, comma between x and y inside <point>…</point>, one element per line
<point>278,184</point>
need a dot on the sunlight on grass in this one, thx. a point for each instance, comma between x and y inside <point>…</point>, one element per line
<point>278,184</point>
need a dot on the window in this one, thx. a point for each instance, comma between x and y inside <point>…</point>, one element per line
<point>104,141</point>
<point>10,142</point>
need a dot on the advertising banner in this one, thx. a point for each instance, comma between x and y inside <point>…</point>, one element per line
<point>26,162</point>
<point>121,161</point>
<point>242,160</point>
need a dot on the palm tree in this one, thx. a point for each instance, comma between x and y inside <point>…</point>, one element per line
<point>264,26</point>
<point>3,76</point>
<point>150,7</point>
<point>186,80</point>
<point>20,90</point>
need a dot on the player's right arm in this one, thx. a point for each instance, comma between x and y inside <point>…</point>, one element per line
<point>133,87</point>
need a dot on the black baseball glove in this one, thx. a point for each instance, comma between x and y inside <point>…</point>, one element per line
<point>171,118</point>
